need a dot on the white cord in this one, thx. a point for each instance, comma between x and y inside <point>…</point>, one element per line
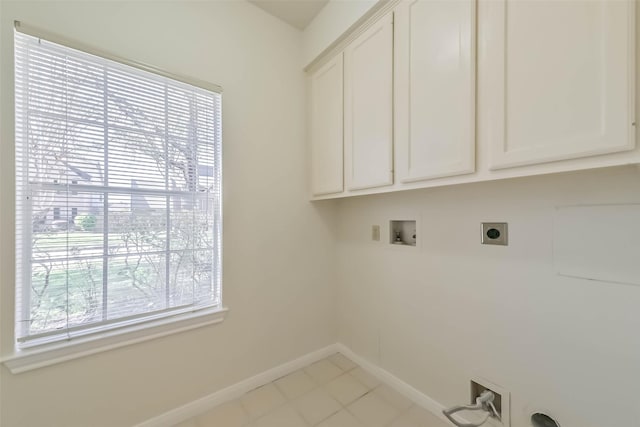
<point>484,402</point>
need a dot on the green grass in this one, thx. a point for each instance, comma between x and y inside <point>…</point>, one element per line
<point>76,238</point>
<point>76,290</point>
<point>75,287</point>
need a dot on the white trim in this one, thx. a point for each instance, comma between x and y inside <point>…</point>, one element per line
<point>50,354</point>
<point>199,406</point>
<point>196,407</point>
<point>397,384</point>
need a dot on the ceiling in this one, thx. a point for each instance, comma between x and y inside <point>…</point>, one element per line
<point>298,13</point>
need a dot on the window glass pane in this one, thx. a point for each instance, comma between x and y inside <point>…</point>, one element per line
<point>181,279</point>
<point>136,160</point>
<point>136,284</point>
<point>135,102</point>
<point>64,86</point>
<point>65,293</point>
<point>62,152</point>
<point>85,290</point>
<point>55,233</point>
<point>137,223</point>
<point>203,276</point>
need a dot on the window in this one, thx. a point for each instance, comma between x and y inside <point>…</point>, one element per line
<point>131,159</point>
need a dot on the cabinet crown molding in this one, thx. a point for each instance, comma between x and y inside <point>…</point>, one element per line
<point>372,16</point>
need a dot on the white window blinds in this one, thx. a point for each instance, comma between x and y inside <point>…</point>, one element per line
<point>118,194</point>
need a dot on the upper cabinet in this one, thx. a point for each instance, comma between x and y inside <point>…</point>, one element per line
<point>434,89</point>
<point>441,92</point>
<point>560,79</point>
<point>326,128</point>
<point>368,104</point>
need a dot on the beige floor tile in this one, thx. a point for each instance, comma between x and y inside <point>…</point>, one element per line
<point>373,411</point>
<point>230,414</point>
<point>365,378</point>
<point>316,405</point>
<point>417,416</point>
<point>295,384</point>
<point>391,396</point>
<point>341,419</point>
<point>262,400</point>
<point>345,389</point>
<point>297,400</point>
<point>342,361</point>
<point>284,416</point>
<point>323,371</point>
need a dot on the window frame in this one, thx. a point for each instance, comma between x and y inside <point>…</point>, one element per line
<point>127,331</point>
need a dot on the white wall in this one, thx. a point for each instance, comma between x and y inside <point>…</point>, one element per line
<point>277,275</point>
<point>451,309</point>
<point>333,20</point>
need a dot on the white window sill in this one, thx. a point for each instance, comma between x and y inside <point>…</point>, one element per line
<point>50,354</point>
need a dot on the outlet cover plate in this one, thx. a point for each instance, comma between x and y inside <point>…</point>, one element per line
<point>375,233</point>
<point>495,233</point>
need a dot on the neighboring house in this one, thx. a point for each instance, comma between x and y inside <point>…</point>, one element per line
<point>66,207</point>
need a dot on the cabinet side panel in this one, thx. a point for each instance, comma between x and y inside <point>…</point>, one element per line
<point>327,129</point>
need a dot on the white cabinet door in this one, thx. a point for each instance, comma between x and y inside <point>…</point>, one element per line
<point>558,78</point>
<point>368,119</point>
<point>435,88</point>
<point>327,129</point>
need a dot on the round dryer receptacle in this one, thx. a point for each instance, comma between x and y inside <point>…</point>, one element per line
<point>492,233</point>
<point>543,420</point>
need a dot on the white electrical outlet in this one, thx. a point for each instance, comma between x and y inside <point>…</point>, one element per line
<point>375,233</point>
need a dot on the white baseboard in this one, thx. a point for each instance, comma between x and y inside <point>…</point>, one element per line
<point>197,407</point>
<point>397,384</point>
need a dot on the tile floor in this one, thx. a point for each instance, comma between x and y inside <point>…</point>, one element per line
<point>333,392</point>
